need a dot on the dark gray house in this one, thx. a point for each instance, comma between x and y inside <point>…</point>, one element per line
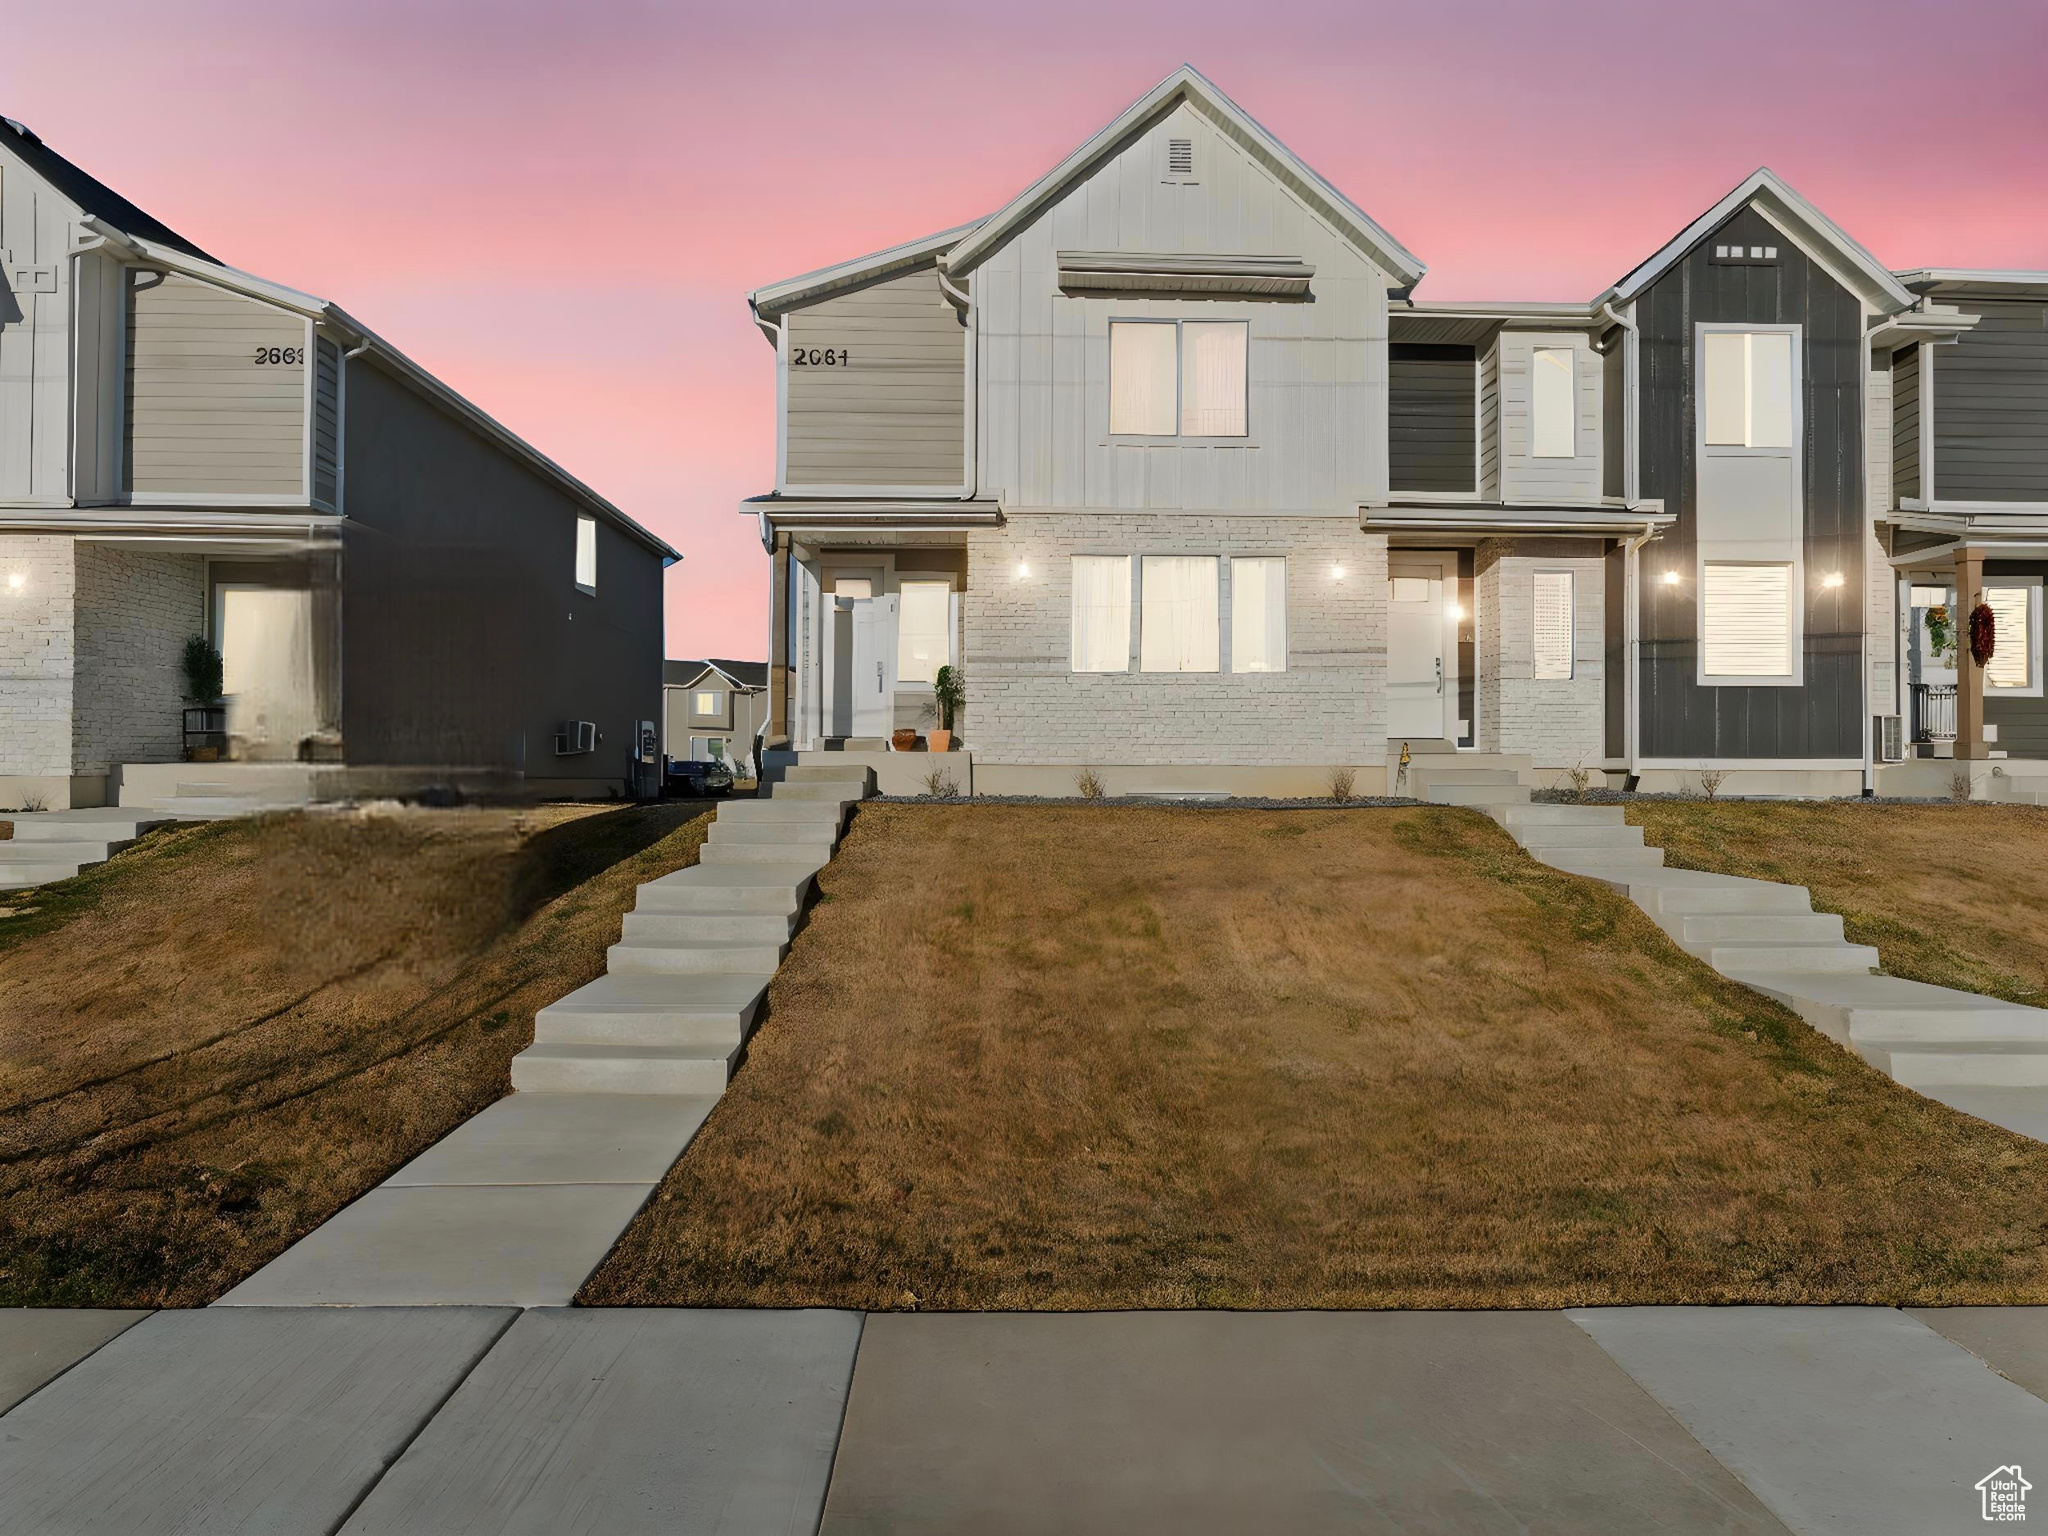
<point>401,589</point>
<point>1175,458</point>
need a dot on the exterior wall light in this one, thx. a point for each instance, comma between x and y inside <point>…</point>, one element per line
<point>1336,573</point>
<point>1457,613</point>
<point>1671,578</point>
<point>1023,569</point>
<point>1832,579</point>
<point>16,580</point>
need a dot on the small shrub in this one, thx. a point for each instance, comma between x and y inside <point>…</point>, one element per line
<point>1580,777</point>
<point>1959,784</point>
<point>34,803</point>
<point>1342,782</point>
<point>1711,780</point>
<point>1089,784</point>
<point>204,678</point>
<point>941,785</point>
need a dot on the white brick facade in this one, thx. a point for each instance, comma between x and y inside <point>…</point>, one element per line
<point>1026,705</point>
<point>135,612</point>
<point>37,654</point>
<point>1558,722</point>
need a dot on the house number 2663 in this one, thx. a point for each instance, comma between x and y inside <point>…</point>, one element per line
<point>280,354</point>
<point>817,357</point>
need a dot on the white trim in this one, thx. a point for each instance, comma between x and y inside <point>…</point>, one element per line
<point>782,406</point>
<point>778,298</point>
<point>1973,508</point>
<point>939,495</point>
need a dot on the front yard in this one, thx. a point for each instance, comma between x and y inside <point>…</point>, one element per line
<point>1036,1057</point>
<point>215,1041</point>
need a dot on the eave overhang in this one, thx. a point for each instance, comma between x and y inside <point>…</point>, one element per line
<point>774,299</point>
<point>813,516</point>
<point>1976,283</point>
<point>1484,518</point>
<point>1168,273</point>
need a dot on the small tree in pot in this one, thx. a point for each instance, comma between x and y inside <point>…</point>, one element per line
<point>204,684</point>
<point>949,692</point>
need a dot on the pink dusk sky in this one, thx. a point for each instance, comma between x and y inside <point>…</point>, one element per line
<point>560,208</point>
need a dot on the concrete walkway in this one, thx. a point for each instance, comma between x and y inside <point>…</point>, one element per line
<point>1981,1055</point>
<point>519,1205</point>
<point>453,1419</point>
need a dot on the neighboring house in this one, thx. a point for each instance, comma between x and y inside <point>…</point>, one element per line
<point>1169,455</point>
<point>713,708</point>
<point>400,587</point>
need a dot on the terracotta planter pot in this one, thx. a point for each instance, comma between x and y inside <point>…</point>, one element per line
<point>903,740</point>
<point>941,741</point>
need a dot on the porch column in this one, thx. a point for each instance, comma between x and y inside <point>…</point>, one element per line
<point>1969,676</point>
<point>777,734</point>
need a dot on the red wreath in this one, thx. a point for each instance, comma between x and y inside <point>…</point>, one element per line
<point>1983,634</point>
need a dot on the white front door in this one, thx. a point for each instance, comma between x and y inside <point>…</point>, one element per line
<point>1422,683</point>
<point>265,637</point>
<point>874,666</point>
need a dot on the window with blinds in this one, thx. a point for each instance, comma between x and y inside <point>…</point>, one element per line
<point>1258,614</point>
<point>1178,629</point>
<point>1102,613</point>
<point>1746,620</point>
<point>2014,667</point>
<point>1551,635</point>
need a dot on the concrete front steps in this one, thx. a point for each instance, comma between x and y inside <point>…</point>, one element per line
<point>213,791</point>
<point>686,978</point>
<point>55,845</point>
<point>1979,1053</point>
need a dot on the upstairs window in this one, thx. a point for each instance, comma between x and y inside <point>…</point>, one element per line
<point>1747,391</point>
<point>1553,404</point>
<point>710,702</point>
<point>1182,378</point>
<point>586,553</point>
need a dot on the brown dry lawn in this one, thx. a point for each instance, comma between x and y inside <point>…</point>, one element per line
<point>216,1040</point>
<point>1951,894</point>
<point>1035,1057</point>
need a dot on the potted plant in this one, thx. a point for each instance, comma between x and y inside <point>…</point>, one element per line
<point>206,721</point>
<point>949,692</point>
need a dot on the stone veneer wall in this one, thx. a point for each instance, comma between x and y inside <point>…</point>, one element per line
<point>1557,722</point>
<point>135,611</point>
<point>1027,705</point>
<point>37,654</point>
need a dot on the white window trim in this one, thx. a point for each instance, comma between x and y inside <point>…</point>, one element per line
<point>2032,586</point>
<point>587,588</point>
<point>1571,623</point>
<point>1176,437</point>
<point>1797,647</point>
<point>1797,448</point>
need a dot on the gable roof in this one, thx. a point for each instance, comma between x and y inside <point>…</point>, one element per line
<point>748,675</point>
<point>1187,84</point>
<point>93,196</point>
<point>1866,275</point>
<point>792,292</point>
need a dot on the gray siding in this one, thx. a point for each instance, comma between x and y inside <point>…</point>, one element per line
<point>1906,421</point>
<point>465,639</point>
<point>1824,716</point>
<point>326,421</point>
<point>2022,723</point>
<point>1991,407</point>
<point>203,416</point>
<point>1613,403</point>
<point>894,412</point>
<point>1431,392</point>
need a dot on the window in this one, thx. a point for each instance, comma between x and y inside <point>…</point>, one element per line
<point>1551,638</point>
<point>1171,377</point>
<point>924,630</point>
<point>710,701</point>
<point>2015,665</point>
<point>1177,624</point>
<point>1746,620</point>
<point>586,553</point>
<point>1553,408</point>
<point>1258,615</point>
<point>1748,389</point>
<point>1102,613</point>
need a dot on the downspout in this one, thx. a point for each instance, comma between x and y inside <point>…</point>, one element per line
<point>963,301</point>
<point>1631,469</point>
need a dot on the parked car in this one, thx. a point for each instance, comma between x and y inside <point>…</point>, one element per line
<point>698,778</point>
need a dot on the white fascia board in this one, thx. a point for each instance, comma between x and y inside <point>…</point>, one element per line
<point>793,292</point>
<point>1517,309</point>
<point>1880,288</point>
<point>409,372</point>
<point>1188,84</point>
<point>1992,281</point>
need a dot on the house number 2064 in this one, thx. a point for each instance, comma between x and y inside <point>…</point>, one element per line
<point>817,357</point>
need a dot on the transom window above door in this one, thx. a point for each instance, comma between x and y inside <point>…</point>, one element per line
<point>1178,378</point>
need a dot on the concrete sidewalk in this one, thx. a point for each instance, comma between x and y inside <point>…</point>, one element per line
<point>472,1419</point>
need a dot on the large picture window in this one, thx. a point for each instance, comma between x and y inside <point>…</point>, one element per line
<point>1258,614</point>
<point>924,630</point>
<point>1748,389</point>
<point>1102,613</point>
<point>1177,623</point>
<point>1185,378</point>
<point>1746,620</point>
<point>1553,404</point>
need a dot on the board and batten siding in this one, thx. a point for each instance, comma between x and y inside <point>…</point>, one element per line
<point>1489,424</point>
<point>1991,406</point>
<point>1823,717</point>
<point>326,421</point>
<point>1317,402</point>
<point>203,416</point>
<point>35,340</point>
<point>1906,421</point>
<point>889,408</point>
<point>1524,477</point>
<point>1613,412</point>
<point>1431,403</point>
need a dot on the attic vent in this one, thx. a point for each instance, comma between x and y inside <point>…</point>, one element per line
<point>1180,157</point>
